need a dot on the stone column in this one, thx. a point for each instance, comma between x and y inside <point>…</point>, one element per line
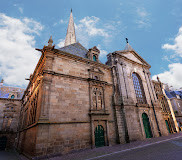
<point>122,81</point>
<point>45,104</point>
<point>120,125</point>
<point>46,86</point>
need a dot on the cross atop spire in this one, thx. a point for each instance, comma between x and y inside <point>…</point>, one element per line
<point>70,36</point>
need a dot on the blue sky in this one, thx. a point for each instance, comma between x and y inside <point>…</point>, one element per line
<point>154,30</point>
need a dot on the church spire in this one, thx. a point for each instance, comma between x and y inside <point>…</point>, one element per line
<point>70,36</point>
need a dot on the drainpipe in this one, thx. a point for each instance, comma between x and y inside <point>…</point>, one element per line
<point>172,111</point>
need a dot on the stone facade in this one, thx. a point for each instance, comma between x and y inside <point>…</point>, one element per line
<point>72,96</point>
<point>174,98</point>
<point>130,123</point>
<point>177,104</point>
<point>168,114</point>
<point>10,103</point>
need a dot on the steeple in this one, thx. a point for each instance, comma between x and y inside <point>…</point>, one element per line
<point>70,36</point>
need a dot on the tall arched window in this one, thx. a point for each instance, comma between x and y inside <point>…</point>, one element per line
<point>137,82</point>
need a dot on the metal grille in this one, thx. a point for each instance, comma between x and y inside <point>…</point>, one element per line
<point>140,95</point>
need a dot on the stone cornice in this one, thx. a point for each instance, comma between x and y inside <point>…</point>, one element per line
<point>81,59</point>
<point>9,99</point>
<point>74,77</point>
<point>53,122</point>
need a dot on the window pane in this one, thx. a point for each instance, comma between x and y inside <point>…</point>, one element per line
<point>140,95</point>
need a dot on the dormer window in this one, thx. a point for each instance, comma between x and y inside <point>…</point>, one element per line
<point>12,96</point>
<point>93,54</point>
<point>94,58</point>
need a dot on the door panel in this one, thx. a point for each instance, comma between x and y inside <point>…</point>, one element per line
<point>99,136</point>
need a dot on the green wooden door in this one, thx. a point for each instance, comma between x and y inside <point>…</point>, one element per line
<point>99,136</point>
<point>167,126</point>
<point>146,125</point>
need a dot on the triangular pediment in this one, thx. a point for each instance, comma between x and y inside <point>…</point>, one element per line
<point>132,55</point>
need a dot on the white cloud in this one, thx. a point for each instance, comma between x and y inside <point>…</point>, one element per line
<point>61,22</point>
<point>177,46</point>
<point>89,23</point>
<point>173,77</point>
<point>18,57</point>
<point>87,28</point>
<point>143,20</point>
<point>103,53</point>
<point>60,43</point>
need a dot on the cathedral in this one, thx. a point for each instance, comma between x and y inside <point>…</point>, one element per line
<point>74,102</point>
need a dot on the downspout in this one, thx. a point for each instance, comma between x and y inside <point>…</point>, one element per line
<point>172,111</point>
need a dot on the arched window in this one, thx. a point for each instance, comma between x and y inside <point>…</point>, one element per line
<point>94,58</point>
<point>12,96</point>
<point>137,82</point>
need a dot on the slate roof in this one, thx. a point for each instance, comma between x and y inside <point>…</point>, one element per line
<point>172,94</point>
<point>6,90</point>
<point>75,49</point>
<point>169,94</point>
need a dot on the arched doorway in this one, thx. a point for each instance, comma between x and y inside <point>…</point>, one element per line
<point>146,125</point>
<point>3,142</point>
<point>99,136</point>
<point>167,124</point>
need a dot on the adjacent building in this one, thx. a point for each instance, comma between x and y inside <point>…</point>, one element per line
<point>175,101</point>
<point>10,103</point>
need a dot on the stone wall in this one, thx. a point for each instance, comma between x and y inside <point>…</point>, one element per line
<point>124,64</point>
<point>66,119</point>
<point>9,118</point>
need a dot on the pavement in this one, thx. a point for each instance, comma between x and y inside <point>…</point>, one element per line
<point>166,147</point>
<point>160,148</point>
<point>9,155</point>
